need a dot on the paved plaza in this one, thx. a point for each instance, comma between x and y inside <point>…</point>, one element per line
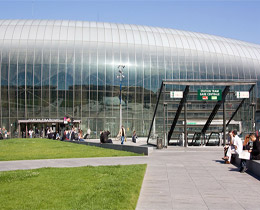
<point>196,178</point>
<point>176,178</point>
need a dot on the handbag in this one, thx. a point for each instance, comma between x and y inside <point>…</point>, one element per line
<point>244,155</point>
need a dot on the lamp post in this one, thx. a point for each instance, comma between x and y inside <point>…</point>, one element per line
<point>120,76</point>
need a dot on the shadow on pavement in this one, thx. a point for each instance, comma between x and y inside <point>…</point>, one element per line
<point>220,161</point>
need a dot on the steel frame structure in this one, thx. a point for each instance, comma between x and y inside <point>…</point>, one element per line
<point>183,104</point>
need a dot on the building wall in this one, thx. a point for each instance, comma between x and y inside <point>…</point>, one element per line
<point>57,68</point>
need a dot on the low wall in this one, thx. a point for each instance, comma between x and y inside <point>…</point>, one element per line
<point>128,148</point>
<point>252,165</point>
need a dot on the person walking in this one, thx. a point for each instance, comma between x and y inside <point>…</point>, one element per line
<point>122,134</point>
<point>31,133</point>
<point>88,133</point>
<point>134,137</point>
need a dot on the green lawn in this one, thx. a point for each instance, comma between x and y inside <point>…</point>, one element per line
<point>29,149</point>
<point>100,188</point>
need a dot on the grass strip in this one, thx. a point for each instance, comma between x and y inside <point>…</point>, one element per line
<point>37,148</point>
<point>103,187</point>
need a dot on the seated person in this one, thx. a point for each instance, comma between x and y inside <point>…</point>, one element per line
<point>57,136</point>
<point>238,147</point>
<point>64,136</point>
<point>229,142</point>
<point>101,137</point>
<point>67,135</point>
<point>106,134</point>
<point>246,146</point>
<point>80,135</point>
<point>256,149</point>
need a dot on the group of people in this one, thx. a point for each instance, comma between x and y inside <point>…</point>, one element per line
<point>67,134</point>
<point>121,135</point>
<point>4,133</point>
<point>251,145</point>
<point>72,134</point>
<point>35,133</point>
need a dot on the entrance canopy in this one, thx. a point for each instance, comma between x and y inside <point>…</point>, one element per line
<point>42,121</point>
<point>195,102</point>
<point>45,121</point>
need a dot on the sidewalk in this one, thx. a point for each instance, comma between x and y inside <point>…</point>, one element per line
<point>196,178</point>
<point>176,178</point>
<point>72,162</point>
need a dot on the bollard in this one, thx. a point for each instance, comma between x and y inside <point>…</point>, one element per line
<point>159,143</point>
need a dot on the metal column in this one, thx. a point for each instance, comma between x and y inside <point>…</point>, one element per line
<point>158,99</point>
<point>164,130</point>
<point>253,117</point>
<point>185,124</point>
<point>166,135</point>
<point>26,130</point>
<point>224,123</point>
<point>19,130</point>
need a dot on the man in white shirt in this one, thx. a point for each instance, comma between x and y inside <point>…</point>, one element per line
<point>30,133</point>
<point>238,147</point>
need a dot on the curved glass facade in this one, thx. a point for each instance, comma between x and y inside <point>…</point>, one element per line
<point>50,69</point>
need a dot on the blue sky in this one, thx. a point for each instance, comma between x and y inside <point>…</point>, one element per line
<point>238,19</point>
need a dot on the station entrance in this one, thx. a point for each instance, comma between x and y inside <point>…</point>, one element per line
<point>39,126</point>
<point>190,113</point>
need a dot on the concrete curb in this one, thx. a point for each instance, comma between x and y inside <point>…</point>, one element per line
<point>128,148</point>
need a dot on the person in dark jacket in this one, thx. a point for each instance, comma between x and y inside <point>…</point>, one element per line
<point>101,137</point>
<point>106,134</point>
<point>246,146</point>
<point>134,137</point>
<point>256,149</point>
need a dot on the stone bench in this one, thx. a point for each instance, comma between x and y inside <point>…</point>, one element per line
<point>128,148</point>
<point>252,165</point>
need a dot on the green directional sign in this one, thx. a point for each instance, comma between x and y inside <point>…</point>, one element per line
<point>209,95</point>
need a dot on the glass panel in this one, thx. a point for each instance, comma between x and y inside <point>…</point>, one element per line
<point>63,33</point>
<point>56,33</point>
<point>71,33</point>
<point>21,85</point>
<point>137,37</point>
<point>123,36</point>
<point>93,35</point>
<point>9,32</point>
<point>101,35</point>
<point>164,39</point>
<point>25,32</point>
<point>4,89</point>
<point>2,31</point>
<point>17,32</point>
<point>40,32</point>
